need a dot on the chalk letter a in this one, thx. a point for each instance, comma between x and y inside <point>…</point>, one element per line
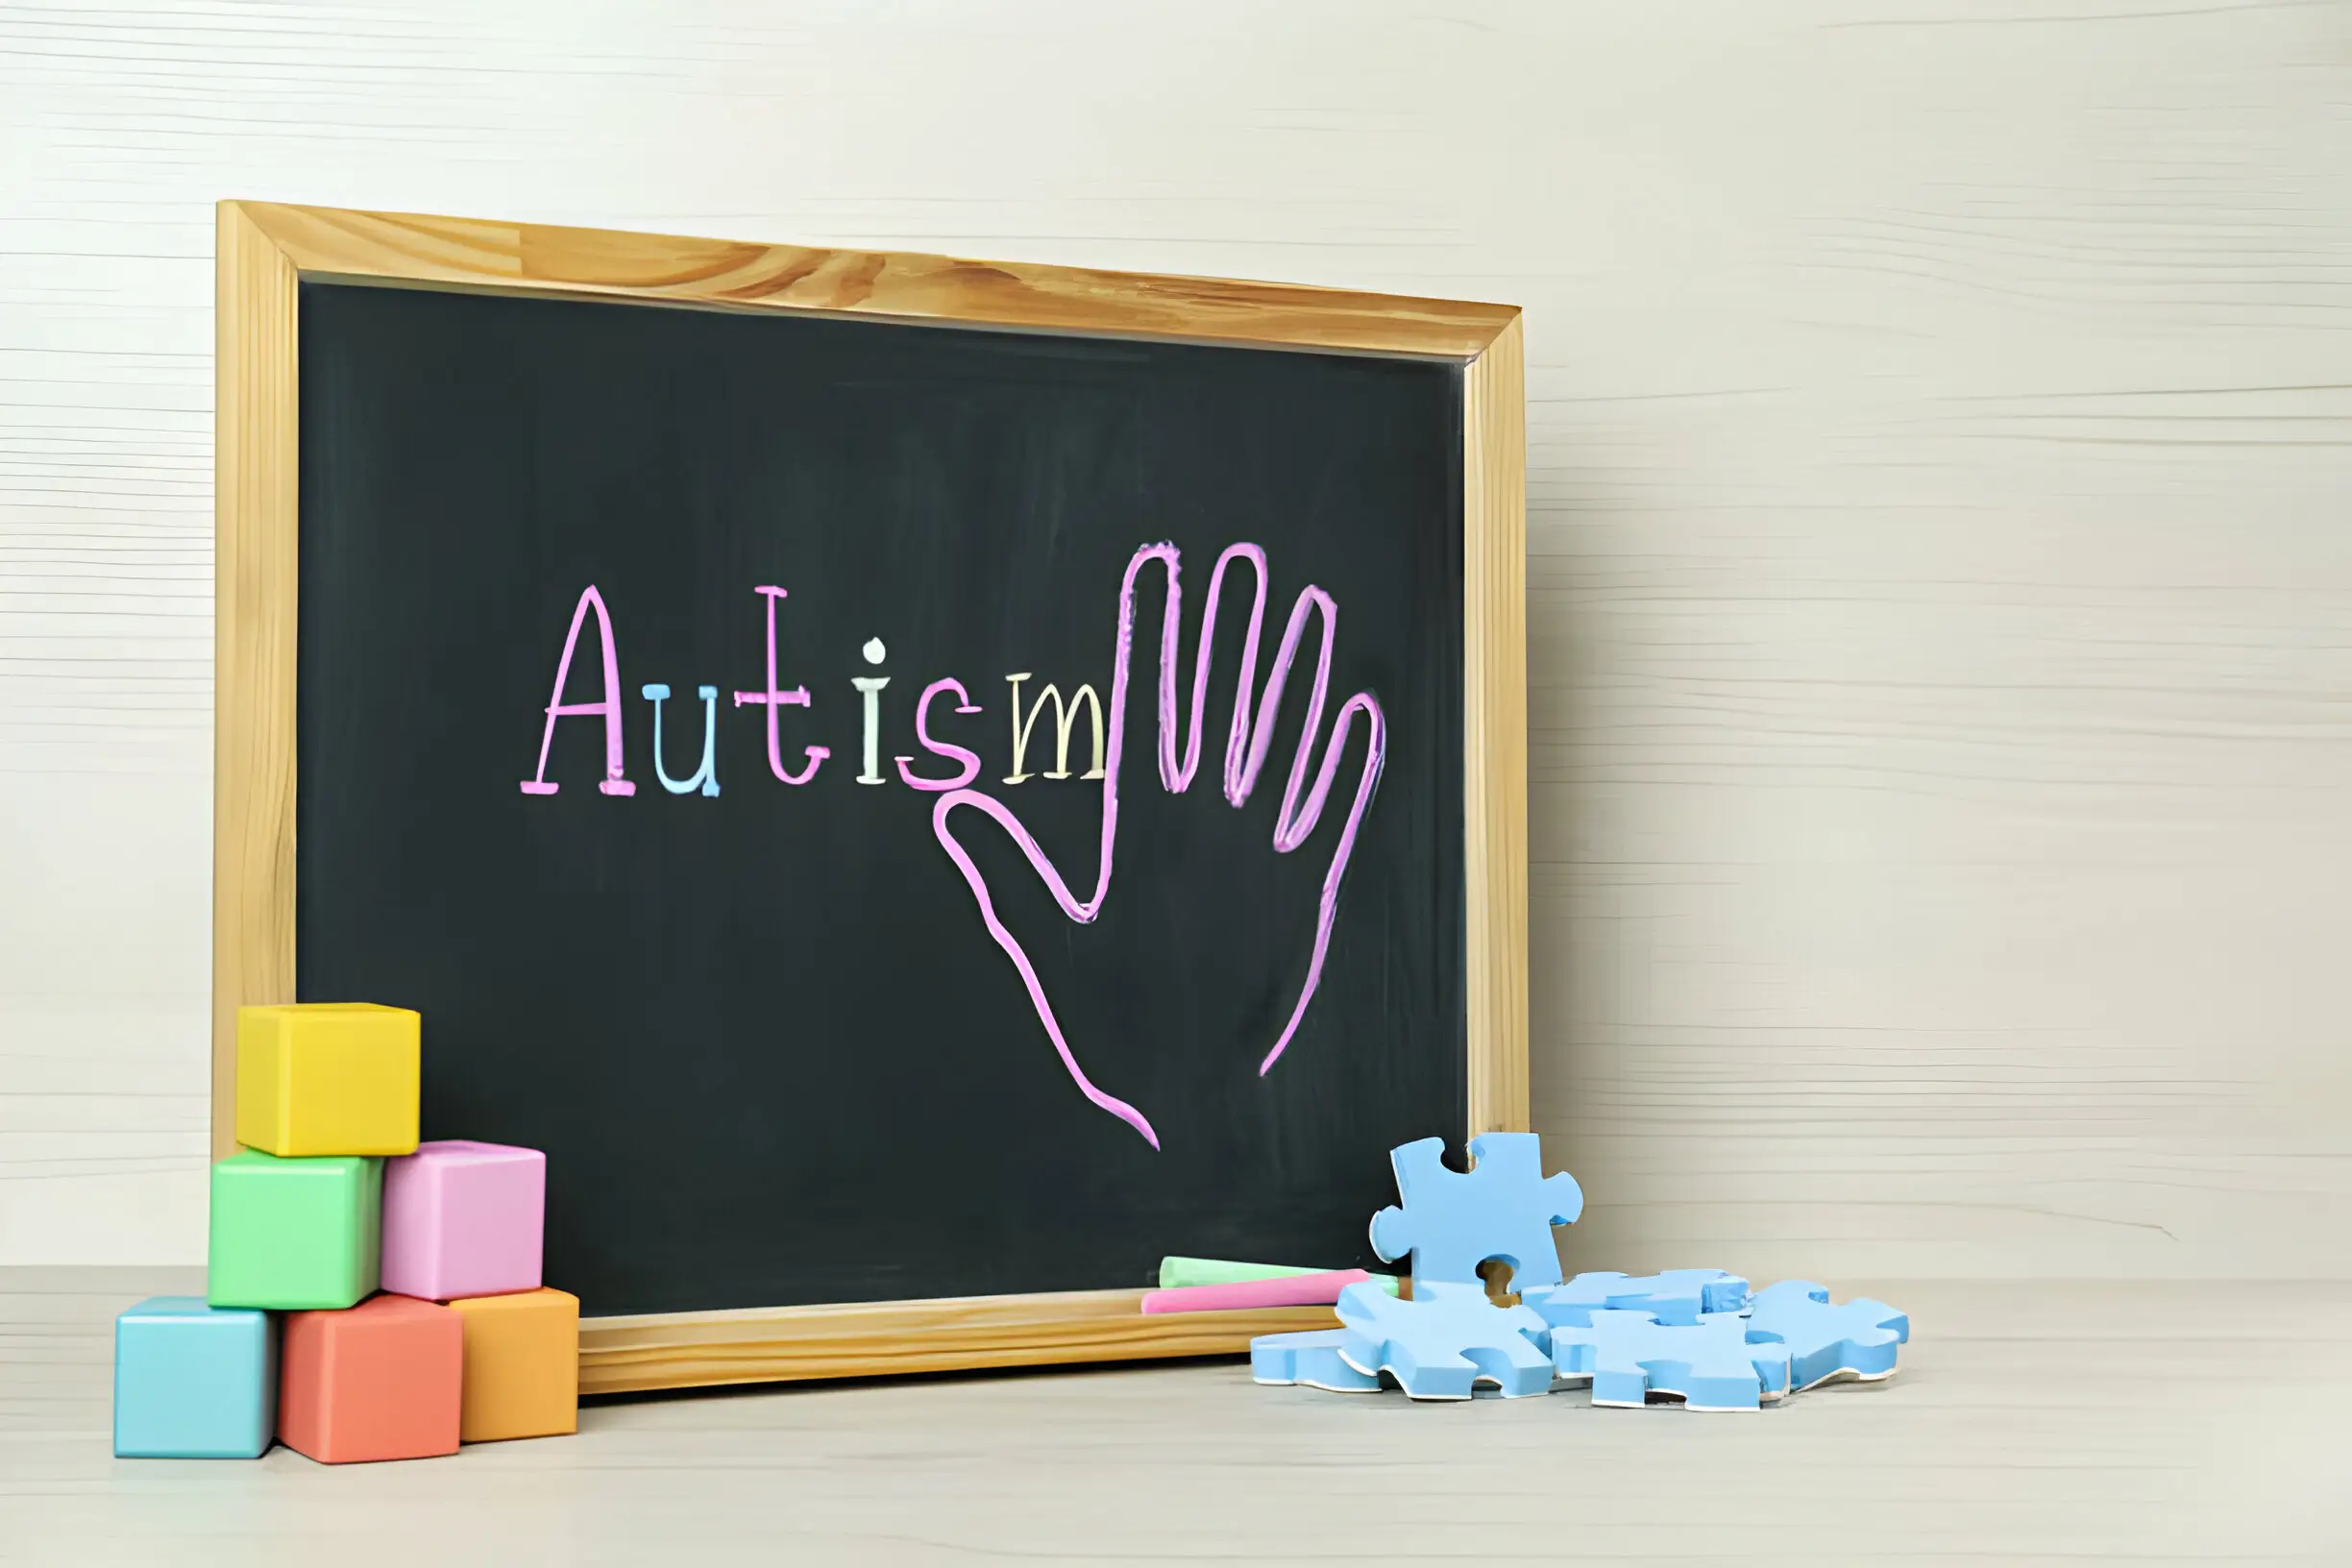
<point>610,708</point>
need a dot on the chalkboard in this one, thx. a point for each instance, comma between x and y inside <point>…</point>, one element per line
<point>695,711</point>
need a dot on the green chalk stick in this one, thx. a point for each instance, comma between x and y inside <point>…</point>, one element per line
<point>1178,1272</point>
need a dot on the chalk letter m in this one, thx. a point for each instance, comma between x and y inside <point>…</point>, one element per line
<point>610,708</point>
<point>1064,718</point>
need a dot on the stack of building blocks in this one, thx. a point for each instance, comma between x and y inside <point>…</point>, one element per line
<point>1695,1336</point>
<point>332,1198</point>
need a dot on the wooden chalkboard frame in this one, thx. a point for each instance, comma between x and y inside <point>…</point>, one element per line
<point>265,249</point>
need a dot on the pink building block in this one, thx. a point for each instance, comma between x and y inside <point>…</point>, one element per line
<point>462,1218</point>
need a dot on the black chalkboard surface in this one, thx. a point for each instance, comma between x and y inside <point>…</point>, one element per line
<point>764,1035</point>
<point>925,785</point>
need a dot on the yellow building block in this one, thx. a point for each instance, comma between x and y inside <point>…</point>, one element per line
<point>319,1078</point>
<point>521,1366</point>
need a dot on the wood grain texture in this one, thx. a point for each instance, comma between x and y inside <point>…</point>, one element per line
<point>1494,730</point>
<point>2028,1424</point>
<point>254,504</point>
<point>686,1350</point>
<point>891,285</point>
<point>1940,777</point>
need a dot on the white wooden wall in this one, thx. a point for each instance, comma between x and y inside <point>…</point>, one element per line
<point>1940,446</point>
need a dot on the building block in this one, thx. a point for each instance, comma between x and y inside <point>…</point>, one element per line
<point>293,1233</point>
<point>194,1381</point>
<point>462,1218</point>
<point>1714,1365</point>
<point>378,1380</point>
<point>521,1366</point>
<point>1855,1340</point>
<point>1184,1273</point>
<point>1310,1359</point>
<point>327,1078</point>
<point>1446,1338</point>
<point>1678,1296</point>
<point>1504,1208</point>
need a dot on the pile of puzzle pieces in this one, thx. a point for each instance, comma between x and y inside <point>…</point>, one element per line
<point>331,1198</point>
<point>1695,1335</point>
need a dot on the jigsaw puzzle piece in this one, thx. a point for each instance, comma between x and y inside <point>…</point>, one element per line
<point>1857,1338</point>
<point>1310,1359</point>
<point>1505,1206</point>
<point>1718,1364</point>
<point>1678,1296</point>
<point>1445,1340</point>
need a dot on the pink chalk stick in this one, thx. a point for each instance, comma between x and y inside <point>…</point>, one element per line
<point>462,1218</point>
<point>1291,1290</point>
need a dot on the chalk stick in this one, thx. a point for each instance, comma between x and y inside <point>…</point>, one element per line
<point>1286,1290</point>
<point>1176,1273</point>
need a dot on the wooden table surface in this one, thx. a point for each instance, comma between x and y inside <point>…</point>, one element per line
<point>2107,1423</point>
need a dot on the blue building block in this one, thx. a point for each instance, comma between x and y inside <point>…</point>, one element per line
<point>1505,1206</point>
<point>193,1381</point>
<point>1857,1340</point>
<point>1717,1363</point>
<point>1311,1357</point>
<point>1443,1340</point>
<point>1678,1296</point>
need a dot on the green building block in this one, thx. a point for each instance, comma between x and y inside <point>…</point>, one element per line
<point>294,1234</point>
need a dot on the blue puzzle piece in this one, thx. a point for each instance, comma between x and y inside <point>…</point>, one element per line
<point>1444,1339</point>
<point>1857,1338</point>
<point>1715,1364</point>
<point>1504,1208</point>
<point>1311,1357</point>
<point>1678,1296</point>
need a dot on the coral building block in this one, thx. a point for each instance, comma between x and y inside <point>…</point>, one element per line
<point>521,1366</point>
<point>380,1380</point>
<point>193,1381</point>
<point>463,1219</point>
<point>293,1233</point>
<point>328,1078</point>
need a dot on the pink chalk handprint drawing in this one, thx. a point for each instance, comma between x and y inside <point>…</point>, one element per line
<point>1246,744</point>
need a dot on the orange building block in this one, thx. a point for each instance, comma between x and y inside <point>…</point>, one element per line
<point>378,1380</point>
<point>521,1366</point>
